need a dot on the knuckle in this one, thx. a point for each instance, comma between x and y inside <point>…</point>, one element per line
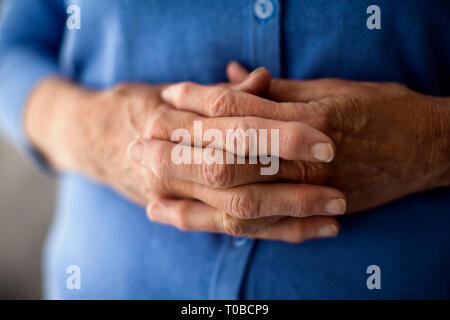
<point>155,125</point>
<point>232,226</point>
<point>241,129</point>
<point>319,114</point>
<point>353,115</point>
<point>215,175</point>
<point>183,89</point>
<point>182,208</point>
<point>244,206</point>
<point>161,170</point>
<point>298,234</point>
<point>159,187</point>
<point>158,114</point>
<point>244,125</point>
<point>396,88</point>
<point>395,85</point>
<point>331,83</point>
<point>348,99</point>
<point>181,220</point>
<point>120,88</point>
<point>220,102</point>
<point>150,103</point>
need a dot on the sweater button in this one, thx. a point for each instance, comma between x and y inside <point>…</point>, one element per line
<point>263,9</point>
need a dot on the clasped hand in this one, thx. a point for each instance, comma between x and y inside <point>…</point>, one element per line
<point>344,146</point>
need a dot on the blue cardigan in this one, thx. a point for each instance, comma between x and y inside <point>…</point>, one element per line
<point>119,252</point>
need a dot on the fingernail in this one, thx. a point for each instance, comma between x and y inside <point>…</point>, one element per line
<point>168,93</point>
<point>257,70</point>
<point>335,206</point>
<point>135,151</point>
<point>322,152</point>
<point>329,230</point>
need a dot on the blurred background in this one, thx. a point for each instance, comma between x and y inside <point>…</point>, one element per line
<point>26,207</point>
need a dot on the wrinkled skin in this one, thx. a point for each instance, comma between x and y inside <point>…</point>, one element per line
<point>104,124</point>
<point>390,141</point>
<point>387,141</point>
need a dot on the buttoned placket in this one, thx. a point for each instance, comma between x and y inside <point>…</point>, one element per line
<point>263,51</point>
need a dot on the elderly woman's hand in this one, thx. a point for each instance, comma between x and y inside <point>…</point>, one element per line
<point>390,141</point>
<point>89,131</point>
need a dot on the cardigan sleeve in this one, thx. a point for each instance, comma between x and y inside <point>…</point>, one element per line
<point>30,37</point>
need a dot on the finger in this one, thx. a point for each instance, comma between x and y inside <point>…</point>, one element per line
<point>243,136</point>
<point>220,101</point>
<point>255,83</point>
<point>162,158</point>
<point>188,215</point>
<point>305,90</point>
<point>296,230</point>
<point>215,101</point>
<point>197,216</point>
<point>284,90</point>
<point>281,199</point>
<point>262,200</point>
<point>236,73</point>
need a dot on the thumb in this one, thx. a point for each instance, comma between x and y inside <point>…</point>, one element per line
<point>256,82</point>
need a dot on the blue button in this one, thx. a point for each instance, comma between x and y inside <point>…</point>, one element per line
<point>263,9</point>
<point>239,242</point>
